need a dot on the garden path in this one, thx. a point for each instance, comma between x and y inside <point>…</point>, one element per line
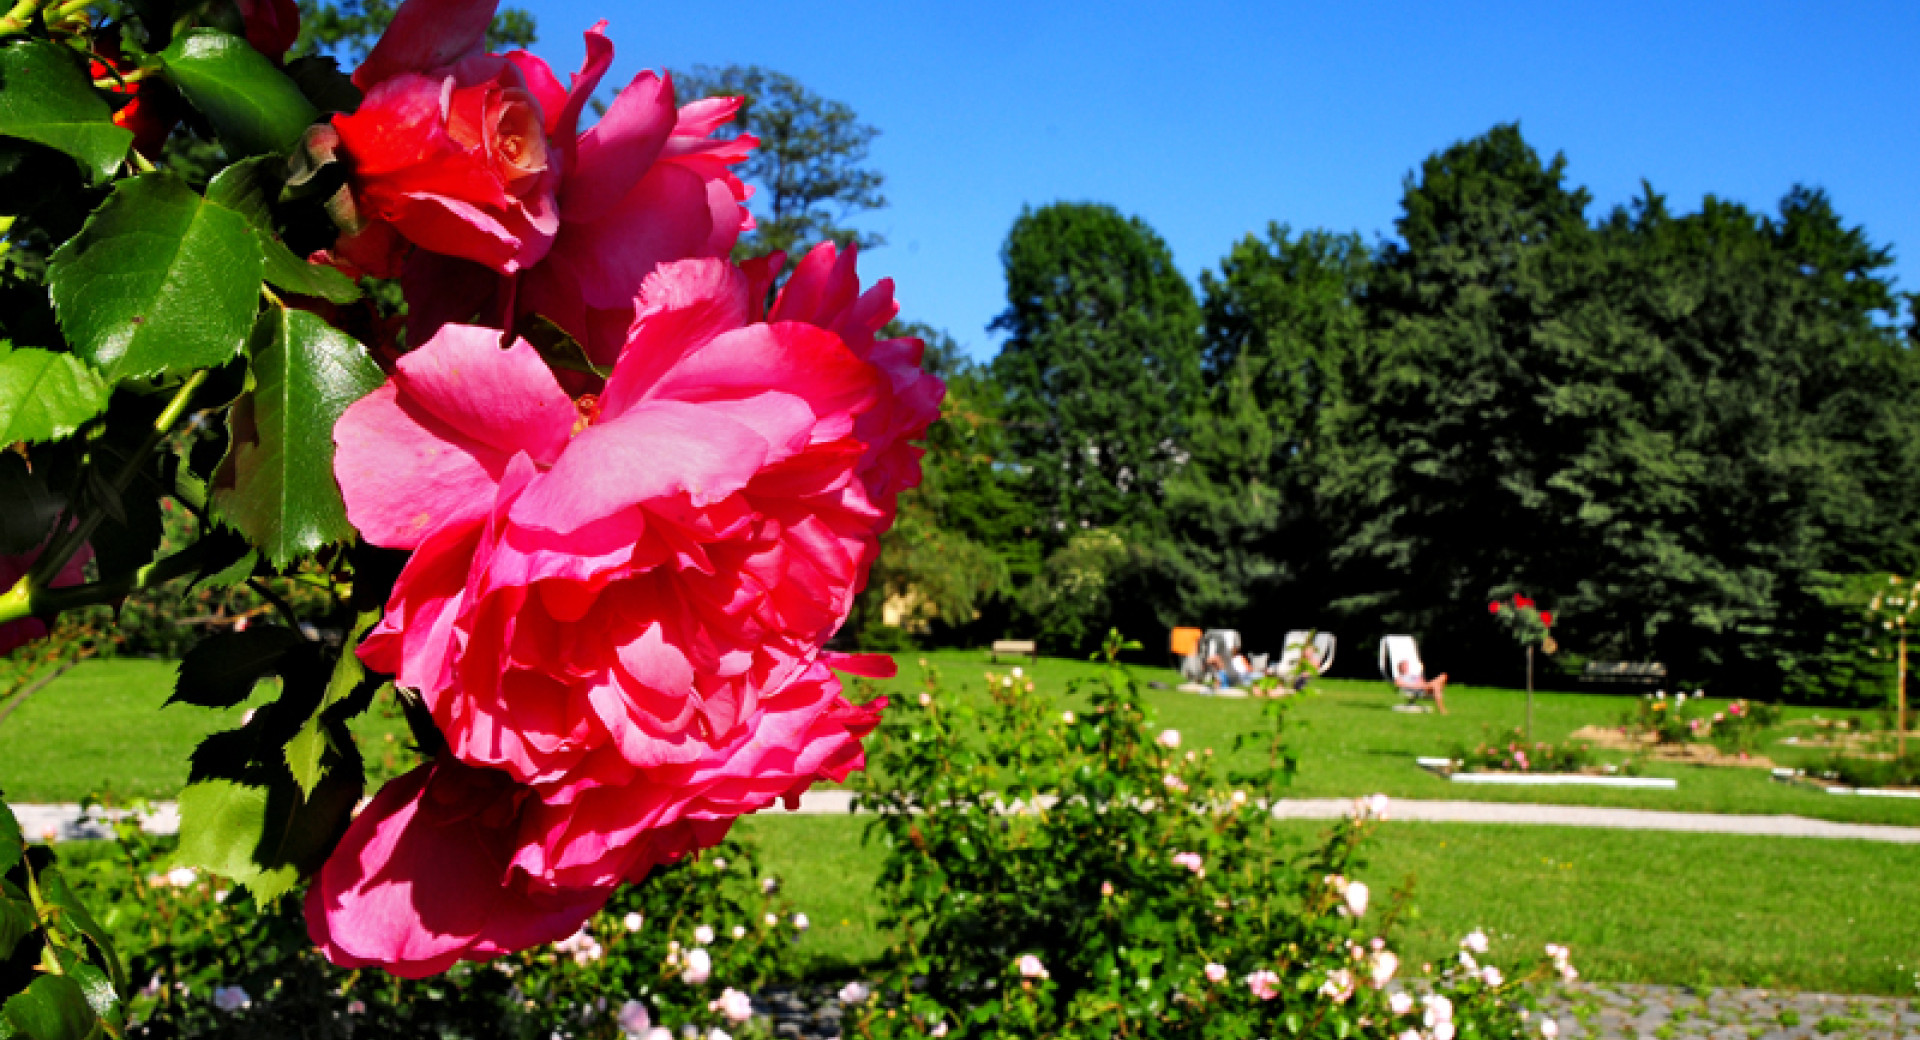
<point>65,822</point>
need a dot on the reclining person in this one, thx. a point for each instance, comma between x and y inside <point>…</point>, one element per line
<point>1236,672</point>
<point>1410,678</point>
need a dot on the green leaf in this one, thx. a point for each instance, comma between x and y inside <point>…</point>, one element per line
<point>276,484</point>
<point>53,1008</point>
<point>263,835</point>
<point>295,275</point>
<point>253,106</point>
<point>306,752</point>
<point>248,188</point>
<point>46,97</point>
<point>12,843</point>
<point>16,920</point>
<point>157,282</point>
<point>55,889</point>
<point>220,671</point>
<point>45,396</point>
<point>99,990</point>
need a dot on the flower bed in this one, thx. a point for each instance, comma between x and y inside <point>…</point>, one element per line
<point>1516,761</point>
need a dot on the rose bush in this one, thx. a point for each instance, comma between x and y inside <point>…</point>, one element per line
<point>1049,880</point>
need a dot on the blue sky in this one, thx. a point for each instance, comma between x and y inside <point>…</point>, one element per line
<point>1210,120</point>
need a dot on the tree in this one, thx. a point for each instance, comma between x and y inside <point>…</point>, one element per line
<point>809,168</point>
<point>1101,368</point>
<point>947,565</point>
<point>1284,326</point>
<point>1101,364</point>
<point>350,28</point>
<point>1434,471</point>
<point>1671,430</point>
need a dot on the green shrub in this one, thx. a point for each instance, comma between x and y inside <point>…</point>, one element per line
<point>1080,874</point>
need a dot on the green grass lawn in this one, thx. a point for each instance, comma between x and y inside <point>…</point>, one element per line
<point>1674,908</point>
<point>1350,741</point>
<point>1685,909</point>
<point>101,727</point>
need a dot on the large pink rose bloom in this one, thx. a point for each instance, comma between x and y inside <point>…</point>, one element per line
<point>607,586</point>
<point>474,158</point>
<point>454,863</point>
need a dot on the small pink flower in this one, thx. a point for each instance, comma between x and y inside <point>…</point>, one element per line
<point>1385,963</point>
<point>699,967</point>
<point>1216,973</point>
<point>1264,984</point>
<point>1169,738</point>
<point>1400,1003</point>
<point>1106,889</point>
<point>1475,941</point>
<point>634,1019</point>
<point>1031,968</point>
<point>1357,894</point>
<point>1191,861</point>
<point>735,1005</point>
<point>1339,986</point>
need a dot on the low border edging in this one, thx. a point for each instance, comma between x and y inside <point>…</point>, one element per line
<point>1799,778</point>
<point>1444,767</point>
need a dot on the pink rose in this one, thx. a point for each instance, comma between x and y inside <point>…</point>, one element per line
<point>1216,973</point>
<point>417,881</point>
<point>1264,984</point>
<point>475,158</point>
<point>455,863</point>
<point>651,185</point>
<point>606,585</point>
<point>456,160</point>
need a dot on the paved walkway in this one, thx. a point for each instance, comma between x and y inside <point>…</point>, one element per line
<point>64,822</point>
<point>1584,1011</point>
<point>1628,1012</point>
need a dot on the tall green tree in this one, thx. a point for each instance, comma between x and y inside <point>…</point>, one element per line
<point>1284,327</point>
<point>947,565</point>
<point>1101,364</point>
<point>1671,429</point>
<point>810,169</point>
<point>1101,368</point>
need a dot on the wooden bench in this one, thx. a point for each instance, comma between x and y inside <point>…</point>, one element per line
<point>1015,647</point>
<point>1646,673</point>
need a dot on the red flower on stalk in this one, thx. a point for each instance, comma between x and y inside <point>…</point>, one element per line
<point>1494,607</point>
<point>1546,618</point>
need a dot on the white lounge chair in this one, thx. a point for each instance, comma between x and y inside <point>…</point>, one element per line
<point>1394,651</point>
<point>1291,668</point>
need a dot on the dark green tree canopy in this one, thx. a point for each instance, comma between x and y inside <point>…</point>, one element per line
<point>1101,363</point>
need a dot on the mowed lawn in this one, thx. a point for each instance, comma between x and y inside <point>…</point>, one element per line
<point>1674,908</point>
<point>1350,741</point>
<point>101,728</point>
<point>1680,909</point>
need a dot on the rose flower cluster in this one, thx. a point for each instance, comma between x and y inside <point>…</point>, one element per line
<point>619,588</point>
